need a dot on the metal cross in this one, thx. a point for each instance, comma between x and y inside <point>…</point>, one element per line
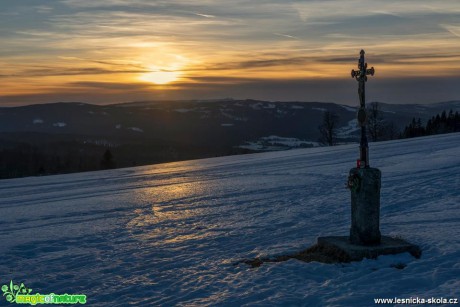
<point>361,76</point>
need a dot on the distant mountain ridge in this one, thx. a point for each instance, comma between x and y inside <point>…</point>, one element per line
<point>150,132</point>
<point>160,118</point>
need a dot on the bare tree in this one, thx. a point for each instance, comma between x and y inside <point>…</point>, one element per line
<point>390,131</point>
<point>376,124</point>
<point>328,128</point>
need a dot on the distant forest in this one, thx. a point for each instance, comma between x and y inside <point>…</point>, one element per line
<point>441,123</point>
<point>50,157</point>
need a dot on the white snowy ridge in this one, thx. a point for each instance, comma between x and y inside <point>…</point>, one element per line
<point>136,129</point>
<point>60,125</point>
<point>348,108</point>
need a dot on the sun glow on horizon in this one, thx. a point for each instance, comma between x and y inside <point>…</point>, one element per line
<point>160,77</point>
<point>162,68</point>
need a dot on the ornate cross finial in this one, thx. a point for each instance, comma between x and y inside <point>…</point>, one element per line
<point>361,76</point>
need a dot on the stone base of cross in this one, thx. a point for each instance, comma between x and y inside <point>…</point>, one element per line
<point>365,205</point>
<point>365,239</point>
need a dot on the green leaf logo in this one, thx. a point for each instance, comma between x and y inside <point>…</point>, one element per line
<point>10,292</point>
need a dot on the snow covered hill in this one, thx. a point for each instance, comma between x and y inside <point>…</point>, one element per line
<point>170,234</point>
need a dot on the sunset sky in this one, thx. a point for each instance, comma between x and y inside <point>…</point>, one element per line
<point>109,51</point>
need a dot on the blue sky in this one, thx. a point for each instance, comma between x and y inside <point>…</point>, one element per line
<point>107,51</point>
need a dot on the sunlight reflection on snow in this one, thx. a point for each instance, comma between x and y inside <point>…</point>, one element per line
<point>166,219</point>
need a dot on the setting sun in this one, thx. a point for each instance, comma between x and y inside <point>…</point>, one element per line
<point>160,77</point>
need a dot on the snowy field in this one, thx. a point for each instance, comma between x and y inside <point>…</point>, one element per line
<point>170,234</point>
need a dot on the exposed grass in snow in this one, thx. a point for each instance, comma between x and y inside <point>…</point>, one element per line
<point>315,253</point>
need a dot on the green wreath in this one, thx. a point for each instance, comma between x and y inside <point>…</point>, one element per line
<point>354,182</point>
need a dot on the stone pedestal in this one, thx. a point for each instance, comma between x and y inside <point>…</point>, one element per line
<point>365,206</point>
<point>365,240</point>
